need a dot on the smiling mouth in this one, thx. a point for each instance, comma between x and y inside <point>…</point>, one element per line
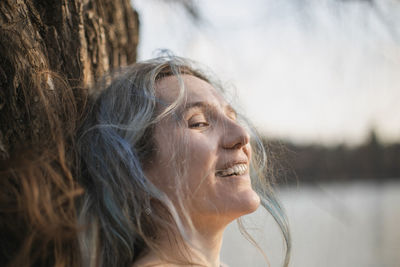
<point>238,169</point>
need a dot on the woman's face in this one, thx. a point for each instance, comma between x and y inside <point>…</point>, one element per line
<point>216,153</point>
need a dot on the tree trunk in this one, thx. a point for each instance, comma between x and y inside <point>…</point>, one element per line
<point>79,40</point>
<point>51,51</point>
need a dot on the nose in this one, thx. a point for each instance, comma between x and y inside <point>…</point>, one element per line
<point>235,136</point>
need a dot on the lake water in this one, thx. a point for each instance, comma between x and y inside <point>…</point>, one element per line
<point>354,224</point>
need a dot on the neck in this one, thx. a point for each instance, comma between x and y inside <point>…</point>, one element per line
<point>203,249</point>
<point>208,244</point>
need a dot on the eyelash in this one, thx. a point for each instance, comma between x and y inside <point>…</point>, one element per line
<point>199,124</point>
<point>203,122</point>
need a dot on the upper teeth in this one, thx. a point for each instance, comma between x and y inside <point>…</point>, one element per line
<point>237,169</point>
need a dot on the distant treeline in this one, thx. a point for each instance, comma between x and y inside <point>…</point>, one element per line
<point>309,163</point>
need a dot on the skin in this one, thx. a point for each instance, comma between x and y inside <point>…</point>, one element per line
<point>215,141</point>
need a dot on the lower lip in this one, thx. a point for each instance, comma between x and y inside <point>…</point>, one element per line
<point>242,176</point>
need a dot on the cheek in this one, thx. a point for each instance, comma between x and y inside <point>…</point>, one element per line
<point>200,161</point>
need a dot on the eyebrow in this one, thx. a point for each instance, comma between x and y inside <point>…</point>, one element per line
<point>207,106</point>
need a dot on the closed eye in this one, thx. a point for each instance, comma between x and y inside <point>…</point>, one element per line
<point>197,121</point>
<point>199,125</point>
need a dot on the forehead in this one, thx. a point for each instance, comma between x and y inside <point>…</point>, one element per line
<point>197,90</point>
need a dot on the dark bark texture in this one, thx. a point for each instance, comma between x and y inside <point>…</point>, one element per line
<point>42,41</point>
<point>51,51</point>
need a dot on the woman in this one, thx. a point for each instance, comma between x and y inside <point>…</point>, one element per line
<point>166,166</point>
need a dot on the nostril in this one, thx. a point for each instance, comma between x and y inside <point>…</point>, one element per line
<point>236,137</point>
<point>237,146</point>
<point>241,143</point>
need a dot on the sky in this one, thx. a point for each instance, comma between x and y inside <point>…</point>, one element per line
<point>310,71</point>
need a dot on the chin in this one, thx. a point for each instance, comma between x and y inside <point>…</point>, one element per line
<point>252,201</point>
<point>248,202</point>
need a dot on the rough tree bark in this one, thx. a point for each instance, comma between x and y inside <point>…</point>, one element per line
<point>79,39</point>
<point>50,52</point>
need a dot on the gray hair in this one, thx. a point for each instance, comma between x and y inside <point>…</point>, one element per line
<point>114,143</point>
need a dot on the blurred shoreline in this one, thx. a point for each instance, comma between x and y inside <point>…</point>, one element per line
<point>312,163</point>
